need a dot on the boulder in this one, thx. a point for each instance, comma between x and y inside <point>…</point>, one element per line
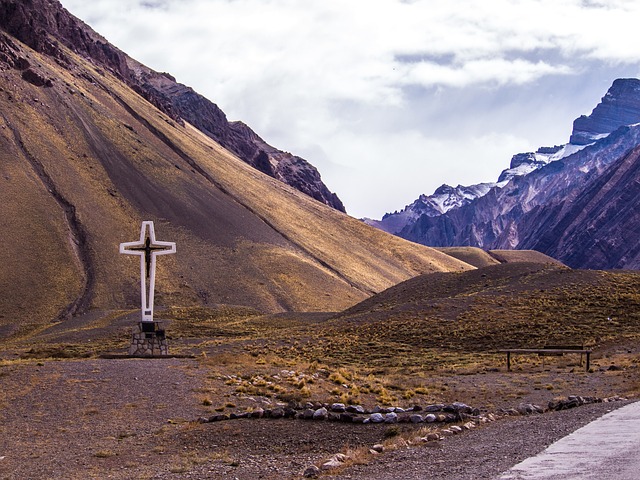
<point>35,78</point>
<point>391,417</point>
<point>307,414</point>
<point>359,409</point>
<point>257,413</point>
<point>321,414</point>
<point>346,417</point>
<point>376,418</point>
<point>277,413</point>
<point>311,472</point>
<point>430,418</point>
<point>434,408</point>
<point>416,418</point>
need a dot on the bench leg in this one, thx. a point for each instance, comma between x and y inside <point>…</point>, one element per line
<point>508,361</point>
<point>588,361</point>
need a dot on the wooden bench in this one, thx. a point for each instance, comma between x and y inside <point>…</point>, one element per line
<point>550,350</point>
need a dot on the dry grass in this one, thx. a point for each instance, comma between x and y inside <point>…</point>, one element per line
<point>397,347</point>
<point>245,361</point>
<point>390,349</point>
<point>499,307</point>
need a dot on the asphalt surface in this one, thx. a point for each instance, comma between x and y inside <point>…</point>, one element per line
<point>605,449</point>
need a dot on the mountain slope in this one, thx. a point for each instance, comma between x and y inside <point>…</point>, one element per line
<point>608,208</point>
<point>576,202</point>
<point>522,305</point>
<point>84,158</point>
<point>45,25</point>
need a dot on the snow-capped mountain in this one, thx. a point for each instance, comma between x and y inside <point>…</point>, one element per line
<point>441,201</point>
<point>545,185</point>
<point>446,197</point>
<point>525,163</point>
<point>620,106</point>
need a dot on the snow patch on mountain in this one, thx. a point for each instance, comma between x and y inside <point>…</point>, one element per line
<point>525,163</point>
<point>446,198</point>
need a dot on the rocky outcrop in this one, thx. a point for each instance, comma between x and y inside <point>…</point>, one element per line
<point>620,106</point>
<point>45,24</point>
<point>284,166</point>
<point>36,78</point>
<point>41,24</point>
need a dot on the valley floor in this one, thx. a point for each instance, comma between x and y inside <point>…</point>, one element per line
<point>137,418</point>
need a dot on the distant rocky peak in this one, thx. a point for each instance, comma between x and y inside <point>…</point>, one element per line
<point>525,163</point>
<point>619,107</point>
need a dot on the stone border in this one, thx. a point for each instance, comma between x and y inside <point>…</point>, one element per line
<point>436,414</point>
<point>338,460</point>
<point>126,356</point>
<point>339,412</point>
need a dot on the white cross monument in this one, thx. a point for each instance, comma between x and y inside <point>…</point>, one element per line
<point>147,248</point>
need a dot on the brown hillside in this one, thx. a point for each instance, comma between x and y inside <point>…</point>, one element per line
<point>84,160</point>
<point>501,306</point>
<point>481,258</point>
<point>518,256</point>
<point>472,255</point>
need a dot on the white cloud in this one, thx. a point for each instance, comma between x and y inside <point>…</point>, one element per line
<point>414,163</point>
<point>340,77</point>
<point>496,71</point>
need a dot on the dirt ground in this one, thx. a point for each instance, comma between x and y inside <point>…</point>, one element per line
<point>137,418</point>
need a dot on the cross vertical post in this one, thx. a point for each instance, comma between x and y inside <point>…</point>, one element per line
<point>147,248</point>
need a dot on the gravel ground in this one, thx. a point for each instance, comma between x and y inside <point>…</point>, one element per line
<point>96,418</point>
<point>124,419</point>
<point>483,453</point>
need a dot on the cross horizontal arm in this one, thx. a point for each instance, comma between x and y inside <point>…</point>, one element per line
<point>132,248</point>
<point>163,251</point>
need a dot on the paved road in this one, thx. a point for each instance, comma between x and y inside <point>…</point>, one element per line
<point>606,449</point>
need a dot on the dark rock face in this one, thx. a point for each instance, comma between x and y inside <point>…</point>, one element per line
<point>40,24</point>
<point>601,226</point>
<point>284,166</point>
<point>620,106</point>
<point>36,79</point>
<point>9,54</point>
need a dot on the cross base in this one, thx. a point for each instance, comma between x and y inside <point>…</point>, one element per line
<point>148,339</point>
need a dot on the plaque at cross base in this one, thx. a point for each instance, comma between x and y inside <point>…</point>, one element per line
<point>149,336</point>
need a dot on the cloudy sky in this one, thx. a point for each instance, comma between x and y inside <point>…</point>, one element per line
<point>388,98</point>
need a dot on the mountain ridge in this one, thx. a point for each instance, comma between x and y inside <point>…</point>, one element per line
<point>538,189</point>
